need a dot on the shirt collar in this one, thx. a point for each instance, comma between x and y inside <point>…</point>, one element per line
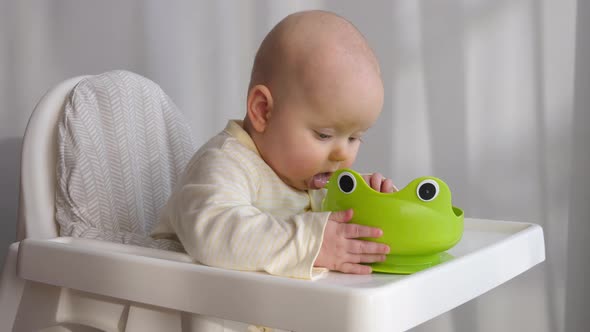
<point>235,128</point>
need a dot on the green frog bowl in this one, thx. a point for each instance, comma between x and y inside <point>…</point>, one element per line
<point>419,222</point>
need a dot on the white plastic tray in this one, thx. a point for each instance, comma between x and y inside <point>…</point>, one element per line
<point>489,254</point>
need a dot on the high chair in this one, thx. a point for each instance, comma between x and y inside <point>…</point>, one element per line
<point>114,282</point>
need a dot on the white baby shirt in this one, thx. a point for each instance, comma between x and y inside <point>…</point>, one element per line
<point>231,210</point>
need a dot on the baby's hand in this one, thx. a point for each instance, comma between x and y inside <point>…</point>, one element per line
<point>342,251</point>
<point>379,183</point>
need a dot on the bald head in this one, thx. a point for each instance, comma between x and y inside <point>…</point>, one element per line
<point>309,50</point>
<point>315,90</point>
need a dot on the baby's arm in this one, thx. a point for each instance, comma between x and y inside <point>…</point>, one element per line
<point>218,224</point>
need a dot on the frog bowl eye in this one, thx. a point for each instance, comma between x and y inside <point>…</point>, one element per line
<point>346,182</point>
<point>427,190</point>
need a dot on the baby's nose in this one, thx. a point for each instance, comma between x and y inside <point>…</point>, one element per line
<point>338,155</point>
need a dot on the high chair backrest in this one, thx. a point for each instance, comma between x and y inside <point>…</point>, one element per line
<point>104,162</point>
<point>36,210</point>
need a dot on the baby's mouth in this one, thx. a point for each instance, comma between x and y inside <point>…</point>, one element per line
<point>319,180</point>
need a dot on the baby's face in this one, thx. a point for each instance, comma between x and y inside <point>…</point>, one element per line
<point>314,132</point>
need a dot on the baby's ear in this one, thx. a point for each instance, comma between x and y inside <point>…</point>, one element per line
<point>259,105</point>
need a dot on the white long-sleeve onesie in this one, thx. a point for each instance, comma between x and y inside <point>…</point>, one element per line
<point>231,210</point>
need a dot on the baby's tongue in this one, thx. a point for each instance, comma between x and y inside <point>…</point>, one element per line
<point>318,181</point>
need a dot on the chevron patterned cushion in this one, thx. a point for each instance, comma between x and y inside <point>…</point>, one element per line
<point>122,146</point>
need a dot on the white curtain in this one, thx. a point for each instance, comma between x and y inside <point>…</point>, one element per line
<point>478,92</point>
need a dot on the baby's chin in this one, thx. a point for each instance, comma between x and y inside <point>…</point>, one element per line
<point>318,181</point>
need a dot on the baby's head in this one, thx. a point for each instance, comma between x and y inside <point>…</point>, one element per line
<point>315,89</point>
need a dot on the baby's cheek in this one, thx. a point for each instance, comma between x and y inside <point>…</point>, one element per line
<point>347,164</point>
<point>300,165</point>
<point>351,158</point>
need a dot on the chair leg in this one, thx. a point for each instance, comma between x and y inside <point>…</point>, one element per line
<point>144,318</point>
<point>11,289</point>
<point>149,318</point>
<point>50,308</point>
<point>38,308</point>
<point>199,323</point>
<point>70,328</point>
<point>91,310</point>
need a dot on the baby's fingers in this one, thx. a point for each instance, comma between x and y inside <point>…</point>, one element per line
<point>380,183</point>
<point>376,181</point>
<point>354,231</point>
<point>367,247</point>
<point>355,268</point>
<point>341,216</point>
<point>370,258</point>
<point>387,186</point>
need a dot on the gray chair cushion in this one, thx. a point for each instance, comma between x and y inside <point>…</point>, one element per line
<point>122,145</point>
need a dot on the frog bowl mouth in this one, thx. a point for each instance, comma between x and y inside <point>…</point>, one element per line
<point>403,264</point>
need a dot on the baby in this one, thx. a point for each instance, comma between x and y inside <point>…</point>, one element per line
<point>250,198</point>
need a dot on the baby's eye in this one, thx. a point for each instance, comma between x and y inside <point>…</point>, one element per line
<point>354,139</point>
<point>322,136</point>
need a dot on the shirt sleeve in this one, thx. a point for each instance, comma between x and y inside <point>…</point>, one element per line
<point>218,225</point>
